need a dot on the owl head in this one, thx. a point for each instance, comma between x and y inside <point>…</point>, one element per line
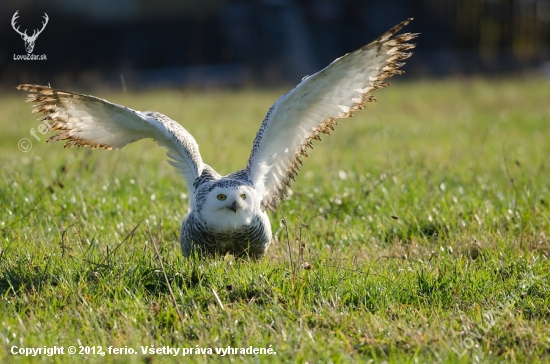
<point>228,204</point>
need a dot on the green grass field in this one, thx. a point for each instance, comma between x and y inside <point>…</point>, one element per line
<point>418,232</point>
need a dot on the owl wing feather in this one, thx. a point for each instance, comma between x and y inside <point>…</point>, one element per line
<point>315,106</point>
<point>85,120</point>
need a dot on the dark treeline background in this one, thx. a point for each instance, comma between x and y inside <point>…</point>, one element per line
<point>146,43</point>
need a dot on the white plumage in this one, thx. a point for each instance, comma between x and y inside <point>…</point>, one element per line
<point>228,214</point>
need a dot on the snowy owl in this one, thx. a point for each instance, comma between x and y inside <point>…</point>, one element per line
<point>229,214</point>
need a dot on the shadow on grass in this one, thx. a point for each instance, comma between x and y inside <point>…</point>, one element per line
<point>15,280</point>
<point>26,277</point>
<point>407,233</point>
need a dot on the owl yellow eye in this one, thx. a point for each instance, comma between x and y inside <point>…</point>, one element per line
<point>222,197</point>
<point>243,196</point>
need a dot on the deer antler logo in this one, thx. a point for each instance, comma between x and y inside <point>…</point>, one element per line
<point>29,41</point>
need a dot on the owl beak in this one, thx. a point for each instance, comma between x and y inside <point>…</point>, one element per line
<point>233,207</point>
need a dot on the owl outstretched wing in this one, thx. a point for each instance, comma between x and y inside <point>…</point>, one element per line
<point>90,121</point>
<point>315,106</point>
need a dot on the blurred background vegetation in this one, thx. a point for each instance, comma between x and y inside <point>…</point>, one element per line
<point>149,44</point>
